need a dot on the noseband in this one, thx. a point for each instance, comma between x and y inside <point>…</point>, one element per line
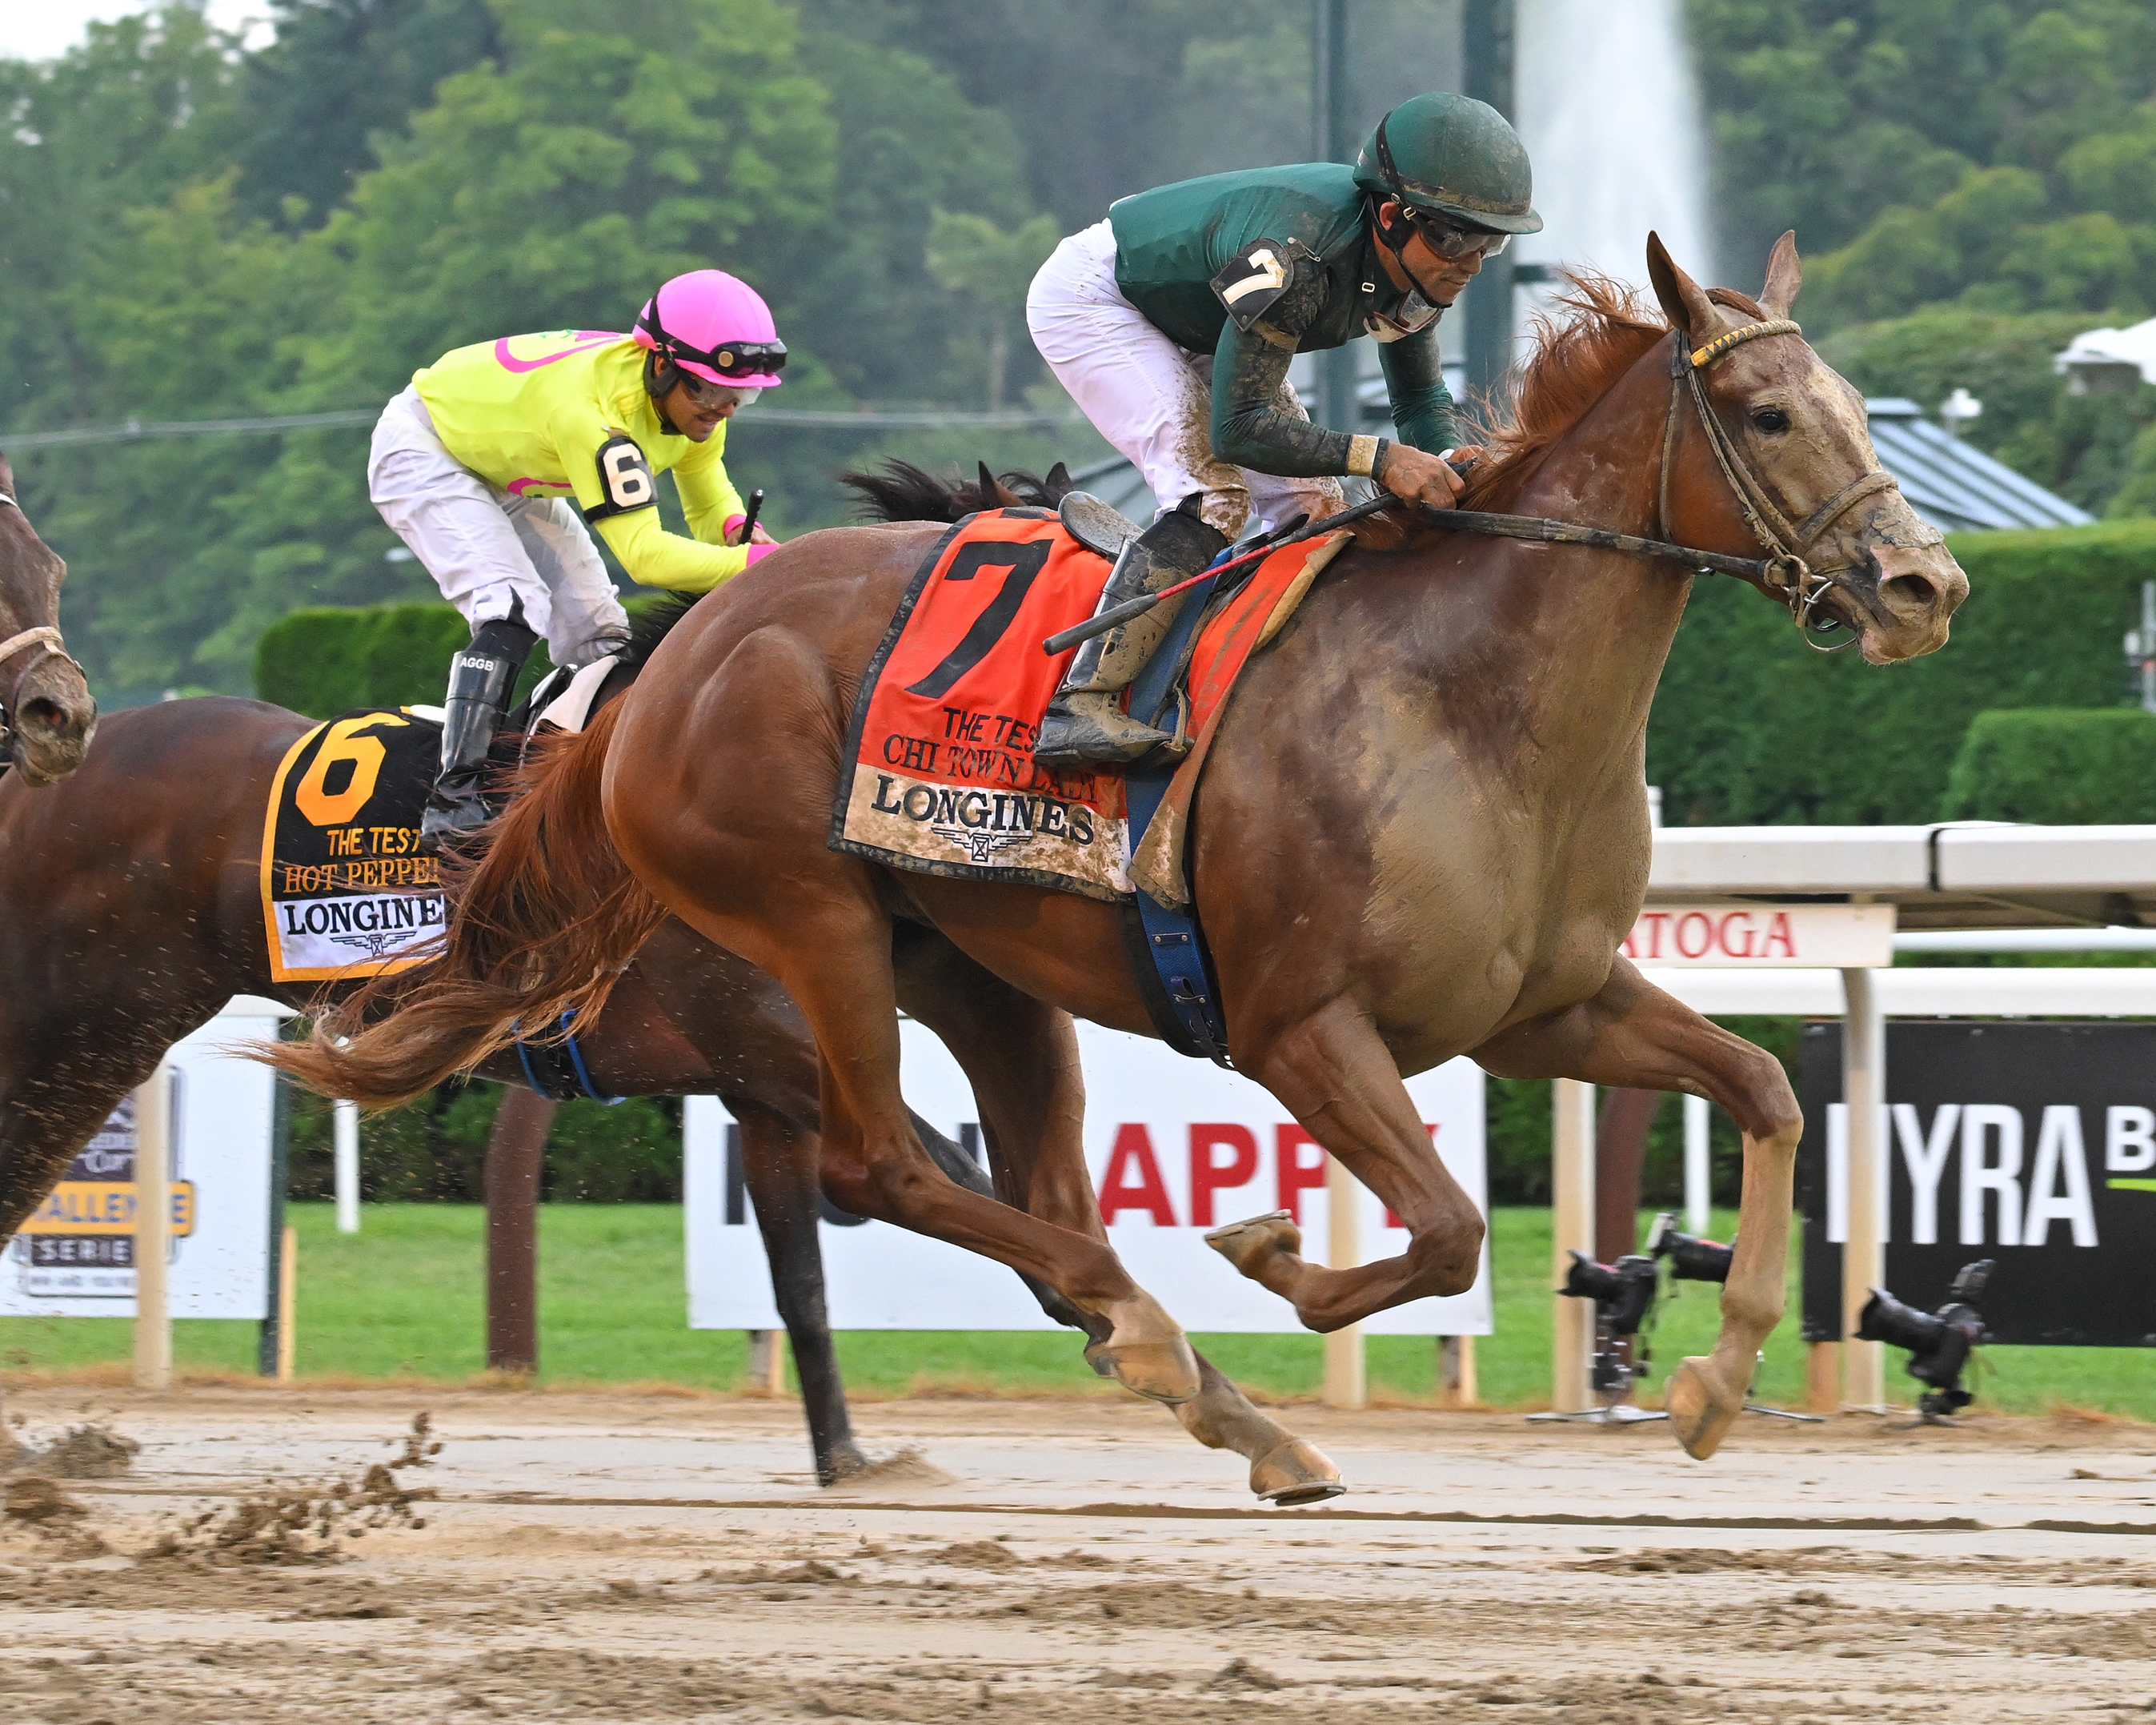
<point>46,638</point>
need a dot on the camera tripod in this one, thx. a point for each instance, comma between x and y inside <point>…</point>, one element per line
<point>1626,1295</point>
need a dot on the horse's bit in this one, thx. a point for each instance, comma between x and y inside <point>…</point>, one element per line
<point>45,637</point>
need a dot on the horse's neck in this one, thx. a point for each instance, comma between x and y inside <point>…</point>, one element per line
<point>1593,627</point>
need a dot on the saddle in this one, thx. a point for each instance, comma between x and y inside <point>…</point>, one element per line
<point>938,775</point>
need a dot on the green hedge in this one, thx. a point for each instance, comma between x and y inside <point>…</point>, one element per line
<point>1752,727</point>
<point>2055,766</point>
<point>330,659</point>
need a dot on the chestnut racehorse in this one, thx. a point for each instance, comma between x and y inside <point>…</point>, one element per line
<point>46,713</point>
<point>1423,832</point>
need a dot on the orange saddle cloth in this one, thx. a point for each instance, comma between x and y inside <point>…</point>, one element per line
<point>939,774</point>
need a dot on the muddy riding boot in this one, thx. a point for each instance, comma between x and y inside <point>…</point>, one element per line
<point>1086,725</point>
<point>480,678</point>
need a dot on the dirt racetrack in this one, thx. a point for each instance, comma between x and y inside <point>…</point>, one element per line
<point>622,1559</point>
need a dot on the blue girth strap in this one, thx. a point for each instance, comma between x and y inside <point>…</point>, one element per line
<point>556,1069</point>
<point>1168,949</point>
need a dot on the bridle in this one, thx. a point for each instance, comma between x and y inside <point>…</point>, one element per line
<point>45,637</point>
<point>1785,572</point>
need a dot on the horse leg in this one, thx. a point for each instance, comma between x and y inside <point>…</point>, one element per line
<point>1332,1071</point>
<point>1633,1034</point>
<point>779,1166</point>
<point>1021,1058</point>
<point>836,963</point>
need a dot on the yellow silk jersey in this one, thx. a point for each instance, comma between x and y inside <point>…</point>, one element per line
<point>566,413</point>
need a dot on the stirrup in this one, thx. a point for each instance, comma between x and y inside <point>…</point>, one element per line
<point>1071,735</point>
<point>448,818</point>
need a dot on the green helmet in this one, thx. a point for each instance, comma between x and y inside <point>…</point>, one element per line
<point>1454,156</point>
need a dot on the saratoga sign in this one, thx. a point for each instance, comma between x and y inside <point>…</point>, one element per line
<point>1175,1146</point>
<point>1753,935</point>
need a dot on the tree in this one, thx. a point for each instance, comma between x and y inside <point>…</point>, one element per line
<point>971,256</point>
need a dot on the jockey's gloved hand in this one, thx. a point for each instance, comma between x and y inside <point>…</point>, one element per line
<point>1410,473</point>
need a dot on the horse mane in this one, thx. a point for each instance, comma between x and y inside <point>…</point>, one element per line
<point>899,491</point>
<point>1595,334</point>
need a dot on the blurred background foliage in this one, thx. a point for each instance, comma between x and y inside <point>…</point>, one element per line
<point>1974,182</point>
<point>191,229</point>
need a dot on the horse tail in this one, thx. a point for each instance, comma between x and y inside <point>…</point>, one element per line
<point>542,924</point>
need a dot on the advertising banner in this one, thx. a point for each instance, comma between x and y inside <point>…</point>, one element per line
<point>1175,1147</point>
<point>2033,1144</point>
<point>76,1255</point>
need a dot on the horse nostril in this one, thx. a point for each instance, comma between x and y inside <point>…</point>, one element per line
<point>1918,589</point>
<point>45,714</point>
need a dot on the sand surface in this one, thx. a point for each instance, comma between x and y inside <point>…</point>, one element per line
<point>627,1558</point>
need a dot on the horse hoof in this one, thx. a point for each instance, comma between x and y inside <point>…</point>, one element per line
<point>1297,1472</point>
<point>1699,1415</point>
<point>1147,1352</point>
<point>1248,1245</point>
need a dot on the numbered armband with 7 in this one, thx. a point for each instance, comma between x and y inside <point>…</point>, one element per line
<point>625,479</point>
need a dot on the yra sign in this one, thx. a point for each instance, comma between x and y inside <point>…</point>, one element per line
<point>1753,935</point>
<point>1175,1146</point>
<point>2031,1144</point>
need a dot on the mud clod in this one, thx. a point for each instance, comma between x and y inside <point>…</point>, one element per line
<point>305,1523</point>
<point>35,1501</point>
<point>84,1452</point>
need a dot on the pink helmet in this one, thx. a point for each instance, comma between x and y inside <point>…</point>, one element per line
<point>716,326</point>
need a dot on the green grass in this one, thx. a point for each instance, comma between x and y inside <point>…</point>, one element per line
<point>404,1297</point>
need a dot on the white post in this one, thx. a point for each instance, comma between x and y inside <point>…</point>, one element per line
<point>1346,1383</point>
<point>153,1230</point>
<point>1572,1229</point>
<point>1864,1252</point>
<point>344,1119</point>
<point>1698,1183</point>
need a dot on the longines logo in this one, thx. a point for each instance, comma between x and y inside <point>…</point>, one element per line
<point>984,823</point>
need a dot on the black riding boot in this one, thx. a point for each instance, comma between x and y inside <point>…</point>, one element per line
<point>1086,725</point>
<point>480,679</point>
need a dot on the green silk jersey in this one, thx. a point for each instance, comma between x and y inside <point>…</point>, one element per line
<point>566,413</point>
<point>1298,237</point>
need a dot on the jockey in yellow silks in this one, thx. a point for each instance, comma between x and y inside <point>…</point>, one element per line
<point>494,463</point>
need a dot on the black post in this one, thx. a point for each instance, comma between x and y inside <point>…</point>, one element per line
<point>1488,33</point>
<point>1333,139</point>
<point>281,1165</point>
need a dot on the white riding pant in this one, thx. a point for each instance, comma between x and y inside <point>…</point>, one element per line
<point>1151,399</point>
<point>490,550</point>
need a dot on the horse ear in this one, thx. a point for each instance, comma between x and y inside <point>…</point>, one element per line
<point>1058,484</point>
<point>994,493</point>
<point>1784,276</point>
<point>1684,301</point>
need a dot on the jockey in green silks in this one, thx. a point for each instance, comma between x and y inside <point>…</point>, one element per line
<point>1172,324</point>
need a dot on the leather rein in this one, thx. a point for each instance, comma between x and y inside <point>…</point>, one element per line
<point>1783,571</point>
<point>47,640</point>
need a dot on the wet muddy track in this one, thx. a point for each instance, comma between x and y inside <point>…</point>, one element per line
<point>603,1559</point>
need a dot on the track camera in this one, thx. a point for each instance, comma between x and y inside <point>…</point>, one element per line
<point>1937,1343</point>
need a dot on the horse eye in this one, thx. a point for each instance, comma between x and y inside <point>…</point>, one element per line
<point>1771,420</point>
